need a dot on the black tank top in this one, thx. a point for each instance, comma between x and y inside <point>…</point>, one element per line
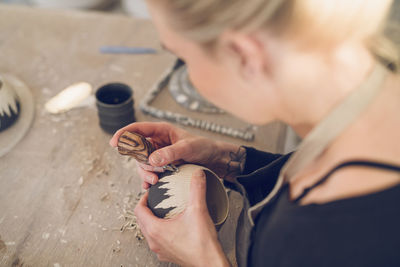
<point>357,231</point>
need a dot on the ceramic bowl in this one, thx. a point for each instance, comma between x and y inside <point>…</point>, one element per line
<point>10,106</point>
<point>170,195</point>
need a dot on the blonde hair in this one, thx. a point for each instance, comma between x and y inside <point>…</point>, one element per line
<point>316,21</point>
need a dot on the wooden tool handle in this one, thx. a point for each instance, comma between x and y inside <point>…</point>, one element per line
<point>135,145</point>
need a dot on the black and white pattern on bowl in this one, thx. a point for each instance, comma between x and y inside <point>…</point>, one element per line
<point>171,194</point>
<point>10,106</point>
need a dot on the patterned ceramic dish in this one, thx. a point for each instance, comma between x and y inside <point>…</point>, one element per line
<point>15,96</point>
<point>9,105</point>
<point>170,195</point>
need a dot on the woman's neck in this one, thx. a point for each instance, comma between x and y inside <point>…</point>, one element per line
<point>374,136</point>
<point>347,68</point>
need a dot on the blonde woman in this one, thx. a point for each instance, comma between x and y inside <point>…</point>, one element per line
<point>321,66</point>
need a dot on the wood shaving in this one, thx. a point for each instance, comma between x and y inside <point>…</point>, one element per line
<point>130,223</point>
<point>116,249</point>
<point>62,231</point>
<point>45,235</point>
<point>103,171</point>
<point>105,196</point>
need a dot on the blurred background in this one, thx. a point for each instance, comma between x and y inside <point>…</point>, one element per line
<point>135,8</point>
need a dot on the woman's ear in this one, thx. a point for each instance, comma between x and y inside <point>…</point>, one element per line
<point>246,52</point>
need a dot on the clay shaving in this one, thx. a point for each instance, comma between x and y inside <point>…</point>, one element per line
<point>129,217</point>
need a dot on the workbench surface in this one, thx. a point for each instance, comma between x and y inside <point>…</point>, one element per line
<point>64,192</point>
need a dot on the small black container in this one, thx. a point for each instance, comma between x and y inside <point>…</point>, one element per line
<point>115,106</point>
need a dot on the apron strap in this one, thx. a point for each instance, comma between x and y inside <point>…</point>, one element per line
<point>338,120</point>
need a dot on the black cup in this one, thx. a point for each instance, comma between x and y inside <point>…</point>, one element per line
<point>115,106</point>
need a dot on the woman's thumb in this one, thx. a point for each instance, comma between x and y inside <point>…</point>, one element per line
<point>198,189</point>
<point>168,154</point>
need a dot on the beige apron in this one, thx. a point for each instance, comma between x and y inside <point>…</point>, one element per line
<point>338,120</point>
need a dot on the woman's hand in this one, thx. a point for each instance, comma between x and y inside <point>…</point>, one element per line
<point>190,238</point>
<point>177,146</point>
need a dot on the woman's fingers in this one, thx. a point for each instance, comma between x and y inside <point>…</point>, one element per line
<point>147,129</point>
<point>150,168</point>
<point>147,221</point>
<point>147,176</point>
<point>198,190</point>
<point>145,185</point>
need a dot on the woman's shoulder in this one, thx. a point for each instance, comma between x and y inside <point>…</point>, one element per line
<point>352,179</point>
<point>355,231</point>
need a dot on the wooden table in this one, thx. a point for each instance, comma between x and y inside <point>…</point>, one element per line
<point>63,190</point>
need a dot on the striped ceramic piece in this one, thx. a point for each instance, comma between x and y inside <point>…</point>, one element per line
<point>135,145</point>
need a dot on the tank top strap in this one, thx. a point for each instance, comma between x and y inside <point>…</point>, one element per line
<point>363,163</point>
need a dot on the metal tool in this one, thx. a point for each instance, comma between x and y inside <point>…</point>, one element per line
<point>171,167</point>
